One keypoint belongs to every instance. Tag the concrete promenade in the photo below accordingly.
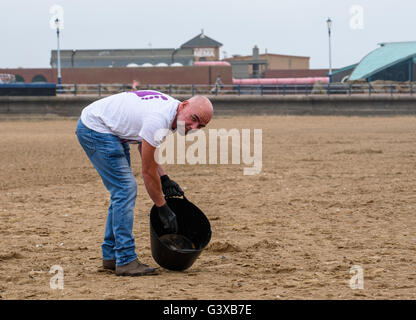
(363, 105)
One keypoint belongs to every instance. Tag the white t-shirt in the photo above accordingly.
(135, 115)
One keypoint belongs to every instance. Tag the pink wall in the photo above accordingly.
(271, 81)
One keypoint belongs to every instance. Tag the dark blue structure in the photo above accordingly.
(27, 89)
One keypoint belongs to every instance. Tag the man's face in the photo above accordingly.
(192, 119)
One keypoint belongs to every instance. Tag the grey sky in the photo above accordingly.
(296, 27)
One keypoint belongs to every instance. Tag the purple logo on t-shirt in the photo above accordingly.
(147, 95)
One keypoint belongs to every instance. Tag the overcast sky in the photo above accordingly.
(294, 27)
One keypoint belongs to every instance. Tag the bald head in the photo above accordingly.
(195, 113)
(202, 107)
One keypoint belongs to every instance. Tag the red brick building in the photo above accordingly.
(143, 75)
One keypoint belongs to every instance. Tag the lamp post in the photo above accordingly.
(173, 54)
(329, 23)
(57, 24)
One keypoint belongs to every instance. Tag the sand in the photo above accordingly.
(333, 193)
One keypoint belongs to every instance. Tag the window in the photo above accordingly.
(39, 78)
(19, 78)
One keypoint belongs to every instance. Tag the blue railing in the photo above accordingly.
(346, 89)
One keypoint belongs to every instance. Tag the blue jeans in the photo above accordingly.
(111, 158)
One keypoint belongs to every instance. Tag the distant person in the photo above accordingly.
(135, 85)
(218, 85)
(104, 130)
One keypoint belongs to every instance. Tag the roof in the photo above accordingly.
(201, 41)
(351, 66)
(385, 56)
(121, 52)
(264, 55)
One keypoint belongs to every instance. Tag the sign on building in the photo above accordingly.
(7, 78)
(204, 52)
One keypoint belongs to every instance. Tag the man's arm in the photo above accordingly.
(169, 187)
(160, 170)
(154, 189)
(150, 173)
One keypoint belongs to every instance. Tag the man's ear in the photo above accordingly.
(185, 104)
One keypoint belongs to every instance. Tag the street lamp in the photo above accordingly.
(173, 54)
(329, 23)
(57, 24)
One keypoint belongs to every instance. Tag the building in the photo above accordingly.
(199, 48)
(204, 48)
(255, 66)
(343, 74)
(393, 61)
(187, 75)
(119, 58)
(296, 73)
(248, 66)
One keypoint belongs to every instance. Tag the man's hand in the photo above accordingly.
(170, 188)
(168, 218)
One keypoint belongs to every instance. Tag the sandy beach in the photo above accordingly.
(333, 193)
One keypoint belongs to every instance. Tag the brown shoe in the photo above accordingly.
(109, 264)
(135, 269)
